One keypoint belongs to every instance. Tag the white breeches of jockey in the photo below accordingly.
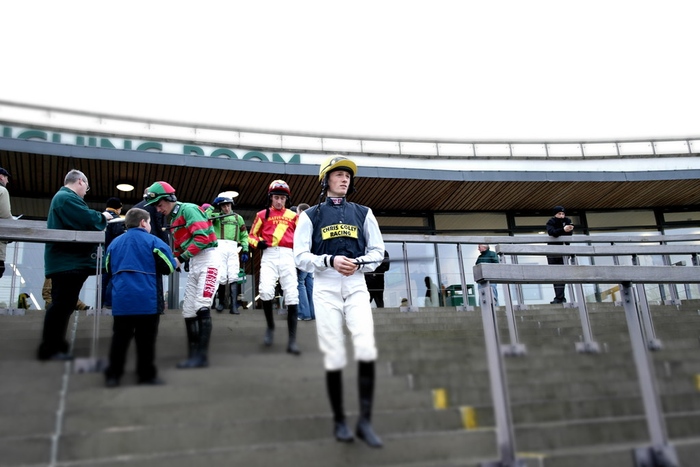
(277, 263)
(339, 299)
(202, 281)
(230, 262)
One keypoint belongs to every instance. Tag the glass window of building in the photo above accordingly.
(480, 221)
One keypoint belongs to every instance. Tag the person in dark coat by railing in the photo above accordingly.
(157, 228)
(113, 230)
(375, 281)
(557, 226)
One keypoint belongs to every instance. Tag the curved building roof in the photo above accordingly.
(39, 145)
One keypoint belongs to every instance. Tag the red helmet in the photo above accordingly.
(279, 187)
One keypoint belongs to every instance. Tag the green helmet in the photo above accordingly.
(158, 191)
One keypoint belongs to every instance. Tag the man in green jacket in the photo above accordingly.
(68, 265)
(486, 255)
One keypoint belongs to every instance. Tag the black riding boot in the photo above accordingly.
(292, 314)
(205, 327)
(334, 386)
(234, 299)
(221, 293)
(199, 358)
(270, 331)
(365, 380)
(192, 327)
(559, 291)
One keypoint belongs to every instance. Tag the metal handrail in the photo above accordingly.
(661, 451)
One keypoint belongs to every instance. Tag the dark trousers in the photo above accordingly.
(65, 291)
(378, 296)
(161, 295)
(144, 330)
(106, 290)
(558, 288)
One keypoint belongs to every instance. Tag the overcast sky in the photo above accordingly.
(482, 70)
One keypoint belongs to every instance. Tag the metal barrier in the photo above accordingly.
(37, 232)
(517, 301)
(660, 452)
(588, 344)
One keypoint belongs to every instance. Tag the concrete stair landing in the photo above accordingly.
(261, 406)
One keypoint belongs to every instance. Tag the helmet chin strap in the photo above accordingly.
(324, 189)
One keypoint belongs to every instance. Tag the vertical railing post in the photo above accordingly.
(409, 293)
(588, 345)
(661, 452)
(518, 290)
(672, 288)
(505, 436)
(94, 363)
(649, 332)
(12, 306)
(463, 281)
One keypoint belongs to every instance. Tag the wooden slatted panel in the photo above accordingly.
(37, 176)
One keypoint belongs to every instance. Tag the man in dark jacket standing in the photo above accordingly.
(158, 229)
(158, 221)
(375, 281)
(114, 208)
(68, 265)
(557, 226)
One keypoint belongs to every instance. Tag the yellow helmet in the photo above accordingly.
(334, 163)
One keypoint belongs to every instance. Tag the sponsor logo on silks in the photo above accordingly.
(339, 230)
(210, 282)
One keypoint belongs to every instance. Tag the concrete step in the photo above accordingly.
(611, 455)
(539, 366)
(614, 455)
(573, 433)
(478, 393)
(400, 448)
(548, 410)
(261, 406)
(229, 431)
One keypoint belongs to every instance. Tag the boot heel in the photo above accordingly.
(342, 433)
(365, 432)
(269, 336)
(293, 349)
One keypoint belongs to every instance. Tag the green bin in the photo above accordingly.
(455, 297)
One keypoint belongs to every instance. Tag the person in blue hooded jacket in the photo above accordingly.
(136, 260)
